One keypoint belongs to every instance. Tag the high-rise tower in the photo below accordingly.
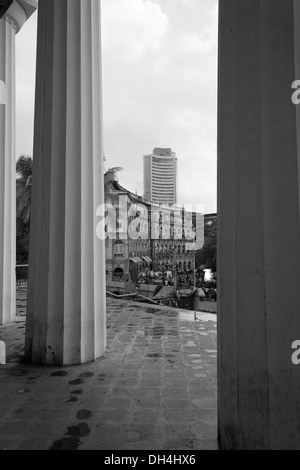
(160, 176)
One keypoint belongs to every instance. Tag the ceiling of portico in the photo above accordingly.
(29, 6)
(4, 5)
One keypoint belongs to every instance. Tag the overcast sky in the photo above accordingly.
(160, 89)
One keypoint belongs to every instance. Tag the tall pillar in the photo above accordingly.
(259, 220)
(66, 313)
(10, 24)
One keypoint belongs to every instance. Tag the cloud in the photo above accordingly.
(132, 27)
(159, 89)
(198, 43)
(168, 95)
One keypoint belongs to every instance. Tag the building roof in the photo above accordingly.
(141, 200)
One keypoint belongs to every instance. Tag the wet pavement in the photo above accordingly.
(155, 389)
(208, 306)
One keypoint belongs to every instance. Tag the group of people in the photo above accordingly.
(207, 293)
(209, 289)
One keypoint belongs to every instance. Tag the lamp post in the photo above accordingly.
(174, 268)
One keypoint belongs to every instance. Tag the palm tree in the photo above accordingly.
(24, 169)
(23, 206)
(24, 184)
(110, 176)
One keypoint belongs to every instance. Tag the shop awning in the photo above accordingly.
(136, 260)
(146, 258)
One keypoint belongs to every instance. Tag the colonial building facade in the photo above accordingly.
(142, 237)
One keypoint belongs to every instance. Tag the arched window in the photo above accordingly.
(188, 234)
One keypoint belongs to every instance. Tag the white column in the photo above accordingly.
(259, 219)
(10, 24)
(66, 313)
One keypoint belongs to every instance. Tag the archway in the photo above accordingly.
(118, 274)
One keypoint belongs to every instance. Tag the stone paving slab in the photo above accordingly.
(155, 389)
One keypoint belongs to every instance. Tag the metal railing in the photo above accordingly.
(135, 297)
(121, 296)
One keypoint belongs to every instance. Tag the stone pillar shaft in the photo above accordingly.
(258, 210)
(10, 24)
(66, 292)
(7, 174)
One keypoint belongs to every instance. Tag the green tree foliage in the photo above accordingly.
(110, 176)
(23, 205)
(207, 256)
(24, 170)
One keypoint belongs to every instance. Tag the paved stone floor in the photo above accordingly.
(155, 389)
